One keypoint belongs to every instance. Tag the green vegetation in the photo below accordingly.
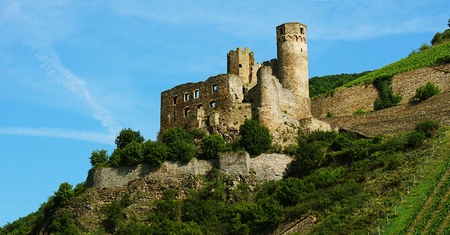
(387, 98)
(255, 138)
(422, 59)
(425, 92)
(441, 37)
(327, 84)
(352, 185)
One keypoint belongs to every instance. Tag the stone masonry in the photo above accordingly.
(274, 93)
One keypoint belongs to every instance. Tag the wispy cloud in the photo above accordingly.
(52, 65)
(103, 138)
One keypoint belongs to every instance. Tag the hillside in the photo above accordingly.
(386, 172)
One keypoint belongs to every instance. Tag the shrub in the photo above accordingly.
(180, 144)
(415, 140)
(132, 154)
(425, 92)
(64, 194)
(211, 146)
(127, 136)
(255, 138)
(98, 158)
(155, 152)
(387, 98)
(429, 128)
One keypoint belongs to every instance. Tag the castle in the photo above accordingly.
(274, 93)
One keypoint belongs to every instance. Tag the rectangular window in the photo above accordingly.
(212, 104)
(186, 112)
(196, 94)
(186, 96)
(214, 88)
(175, 100)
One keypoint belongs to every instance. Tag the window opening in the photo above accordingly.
(186, 96)
(186, 112)
(301, 30)
(212, 104)
(196, 94)
(214, 88)
(240, 65)
(175, 100)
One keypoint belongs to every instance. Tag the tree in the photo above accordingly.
(212, 145)
(255, 138)
(127, 136)
(180, 144)
(98, 157)
(155, 152)
(64, 194)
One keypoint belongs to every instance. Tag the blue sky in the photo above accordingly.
(74, 73)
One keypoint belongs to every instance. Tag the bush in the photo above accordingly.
(127, 136)
(211, 146)
(425, 92)
(387, 98)
(64, 194)
(180, 144)
(98, 158)
(255, 138)
(415, 140)
(429, 128)
(155, 152)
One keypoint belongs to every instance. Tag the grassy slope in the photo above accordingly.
(421, 209)
(414, 61)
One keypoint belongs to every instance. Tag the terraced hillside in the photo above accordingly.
(425, 209)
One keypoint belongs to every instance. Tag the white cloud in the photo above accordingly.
(52, 65)
(60, 133)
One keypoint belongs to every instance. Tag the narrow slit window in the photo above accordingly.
(301, 30)
(196, 94)
(175, 100)
(186, 96)
(214, 88)
(212, 104)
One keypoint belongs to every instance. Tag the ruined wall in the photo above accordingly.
(241, 63)
(194, 105)
(346, 101)
(264, 168)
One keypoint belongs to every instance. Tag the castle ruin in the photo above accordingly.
(274, 93)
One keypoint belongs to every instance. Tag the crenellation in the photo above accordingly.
(275, 92)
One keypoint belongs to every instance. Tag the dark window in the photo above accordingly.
(240, 65)
(214, 88)
(186, 112)
(196, 94)
(175, 100)
(212, 104)
(301, 30)
(186, 96)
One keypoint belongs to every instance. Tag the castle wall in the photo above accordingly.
(194, 105)
(264, 168)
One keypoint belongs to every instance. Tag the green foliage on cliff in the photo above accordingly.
(320, 85)
(387, 98)
(254, 138)
(418, 60)
(425, 92)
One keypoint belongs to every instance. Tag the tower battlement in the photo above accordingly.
(274, 93)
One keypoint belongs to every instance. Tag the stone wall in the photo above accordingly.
(264, 168)
(345, 101)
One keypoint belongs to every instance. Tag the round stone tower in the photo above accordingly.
(292, 53)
